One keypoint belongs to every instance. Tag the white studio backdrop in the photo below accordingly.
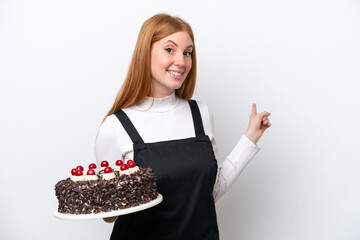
(62, 63)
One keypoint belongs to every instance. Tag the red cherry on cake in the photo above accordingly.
(119, 163)
(73, 171)
(80, 168)
(131, 163)
(123, 167)
(92, 166)
(104, 164)
(79, 173)
(108, 170)
(90, 172)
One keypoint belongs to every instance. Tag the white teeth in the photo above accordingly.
(175, 73)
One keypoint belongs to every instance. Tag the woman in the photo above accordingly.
(154, 122)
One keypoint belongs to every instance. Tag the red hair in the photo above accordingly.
(137, 84)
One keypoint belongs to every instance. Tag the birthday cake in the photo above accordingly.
(106, 189)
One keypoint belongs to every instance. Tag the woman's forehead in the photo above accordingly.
(182, 39)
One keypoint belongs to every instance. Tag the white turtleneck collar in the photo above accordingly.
(164, 104)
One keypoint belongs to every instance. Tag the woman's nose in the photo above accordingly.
(180, 59)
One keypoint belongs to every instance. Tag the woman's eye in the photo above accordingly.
(169, 50)
(188, 54)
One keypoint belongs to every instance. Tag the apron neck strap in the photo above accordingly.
(135, 136)
(129, 127)
(198, 125)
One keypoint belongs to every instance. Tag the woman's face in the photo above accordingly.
(170, 63)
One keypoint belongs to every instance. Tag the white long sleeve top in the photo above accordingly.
(169, 118)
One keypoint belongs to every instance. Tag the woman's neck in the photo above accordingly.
(158, 104)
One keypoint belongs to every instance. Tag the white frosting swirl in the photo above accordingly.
(125, 172)
(91, 177)
(108, 176)
(129, 171)
(134, 169)
(77, 178)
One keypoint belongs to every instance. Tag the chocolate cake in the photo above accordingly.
(119, 190)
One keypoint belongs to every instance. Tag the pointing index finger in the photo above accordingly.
(253, 111)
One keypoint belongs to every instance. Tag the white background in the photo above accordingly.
(62, 63)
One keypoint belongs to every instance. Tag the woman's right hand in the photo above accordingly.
(110, 219)
(257, 125)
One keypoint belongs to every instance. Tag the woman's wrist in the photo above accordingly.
(252, 137)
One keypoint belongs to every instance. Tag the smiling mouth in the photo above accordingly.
(175, 74)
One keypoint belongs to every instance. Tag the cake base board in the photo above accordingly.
(141, 207)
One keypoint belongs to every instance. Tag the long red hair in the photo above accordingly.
(137, 84)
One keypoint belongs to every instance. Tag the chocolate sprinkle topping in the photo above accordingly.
(94, 196)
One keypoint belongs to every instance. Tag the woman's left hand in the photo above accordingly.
(257, 125)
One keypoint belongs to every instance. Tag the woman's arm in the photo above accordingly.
(107, 147)
(241, 155)
(107, 143)
(233, 165)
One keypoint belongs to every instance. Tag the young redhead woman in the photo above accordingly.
(154, 122)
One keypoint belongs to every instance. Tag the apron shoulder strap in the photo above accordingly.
(198, 125)
(129, 127)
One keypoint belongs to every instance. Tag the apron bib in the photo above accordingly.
(186, 171)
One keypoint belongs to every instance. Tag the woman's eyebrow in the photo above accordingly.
(190, 46)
